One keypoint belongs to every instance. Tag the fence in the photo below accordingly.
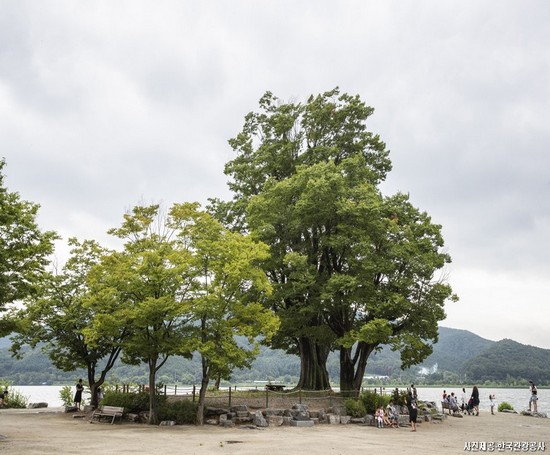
(268, 396)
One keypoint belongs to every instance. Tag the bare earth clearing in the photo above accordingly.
(49, 431)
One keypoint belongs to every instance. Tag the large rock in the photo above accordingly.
(275, 420)
(259, 419)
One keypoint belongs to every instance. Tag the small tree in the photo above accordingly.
(227, 302)
(151, 281)
(60, 314)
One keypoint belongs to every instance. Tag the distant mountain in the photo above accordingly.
(454, 348)
(457, 355)
(510, 359)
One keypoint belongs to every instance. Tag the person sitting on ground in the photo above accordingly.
(392, 415)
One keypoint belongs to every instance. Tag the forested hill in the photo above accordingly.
(458, 356)
(455, 347)
(508, 358)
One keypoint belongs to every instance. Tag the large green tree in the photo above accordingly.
(24, 248)
(351, 269)
(58, 317)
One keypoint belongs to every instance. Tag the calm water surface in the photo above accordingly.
(518, 398)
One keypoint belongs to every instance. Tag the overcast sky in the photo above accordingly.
(104, 105)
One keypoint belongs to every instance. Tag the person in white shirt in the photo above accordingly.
(534, 397)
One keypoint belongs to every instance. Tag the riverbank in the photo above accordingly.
(43, 431)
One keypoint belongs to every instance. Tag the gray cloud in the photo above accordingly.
(105, 105)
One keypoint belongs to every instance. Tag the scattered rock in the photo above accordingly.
(167, 423)
(41, 405)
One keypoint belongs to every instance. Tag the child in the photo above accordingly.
(380, 418)
(492, 399)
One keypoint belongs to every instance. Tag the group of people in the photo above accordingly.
(471, 405)
(467, 405)
(387, 417)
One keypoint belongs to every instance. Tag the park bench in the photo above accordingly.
(107, 411)
(445, 405)
(275, 387)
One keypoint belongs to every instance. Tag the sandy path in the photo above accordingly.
(31, 432)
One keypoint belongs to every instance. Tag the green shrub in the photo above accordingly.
(14, 399)
(355, 408)
(66, 395)
(131, 402)
(372, 401)
(181, 411)
(505, 406)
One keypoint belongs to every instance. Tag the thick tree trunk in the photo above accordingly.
(313, 362)
(352, 368)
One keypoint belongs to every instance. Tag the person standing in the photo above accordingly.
(492, 400)
(475, 400)
(413, 411)
(464, 404)
(78, 394)
(534, 397)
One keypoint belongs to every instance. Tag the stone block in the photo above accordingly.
(301, 423)
(227, 424)
(344, 420)
(239, 408)
(333, 419)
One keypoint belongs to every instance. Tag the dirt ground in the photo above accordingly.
(49, 431)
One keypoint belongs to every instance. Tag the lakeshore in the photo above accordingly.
(50, 430)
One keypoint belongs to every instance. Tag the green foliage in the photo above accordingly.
(131, 402)
(183, 412)
(355, 408)
(505, 406)
(66, 395)
(15, 399)
(24, 249)
(351, 269)
(372, 401)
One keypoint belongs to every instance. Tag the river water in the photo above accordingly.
(518, 398)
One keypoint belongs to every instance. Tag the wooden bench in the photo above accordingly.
(107, 411)
(275, 387)
(445, 405)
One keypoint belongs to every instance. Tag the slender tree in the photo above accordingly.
(152, 281)
(59, 315)
(227, 301)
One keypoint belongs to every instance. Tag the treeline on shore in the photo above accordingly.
(459, 357)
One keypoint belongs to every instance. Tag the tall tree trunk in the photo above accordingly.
(202, 396)
(202, 393)
(153, 414)
(313, 362)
